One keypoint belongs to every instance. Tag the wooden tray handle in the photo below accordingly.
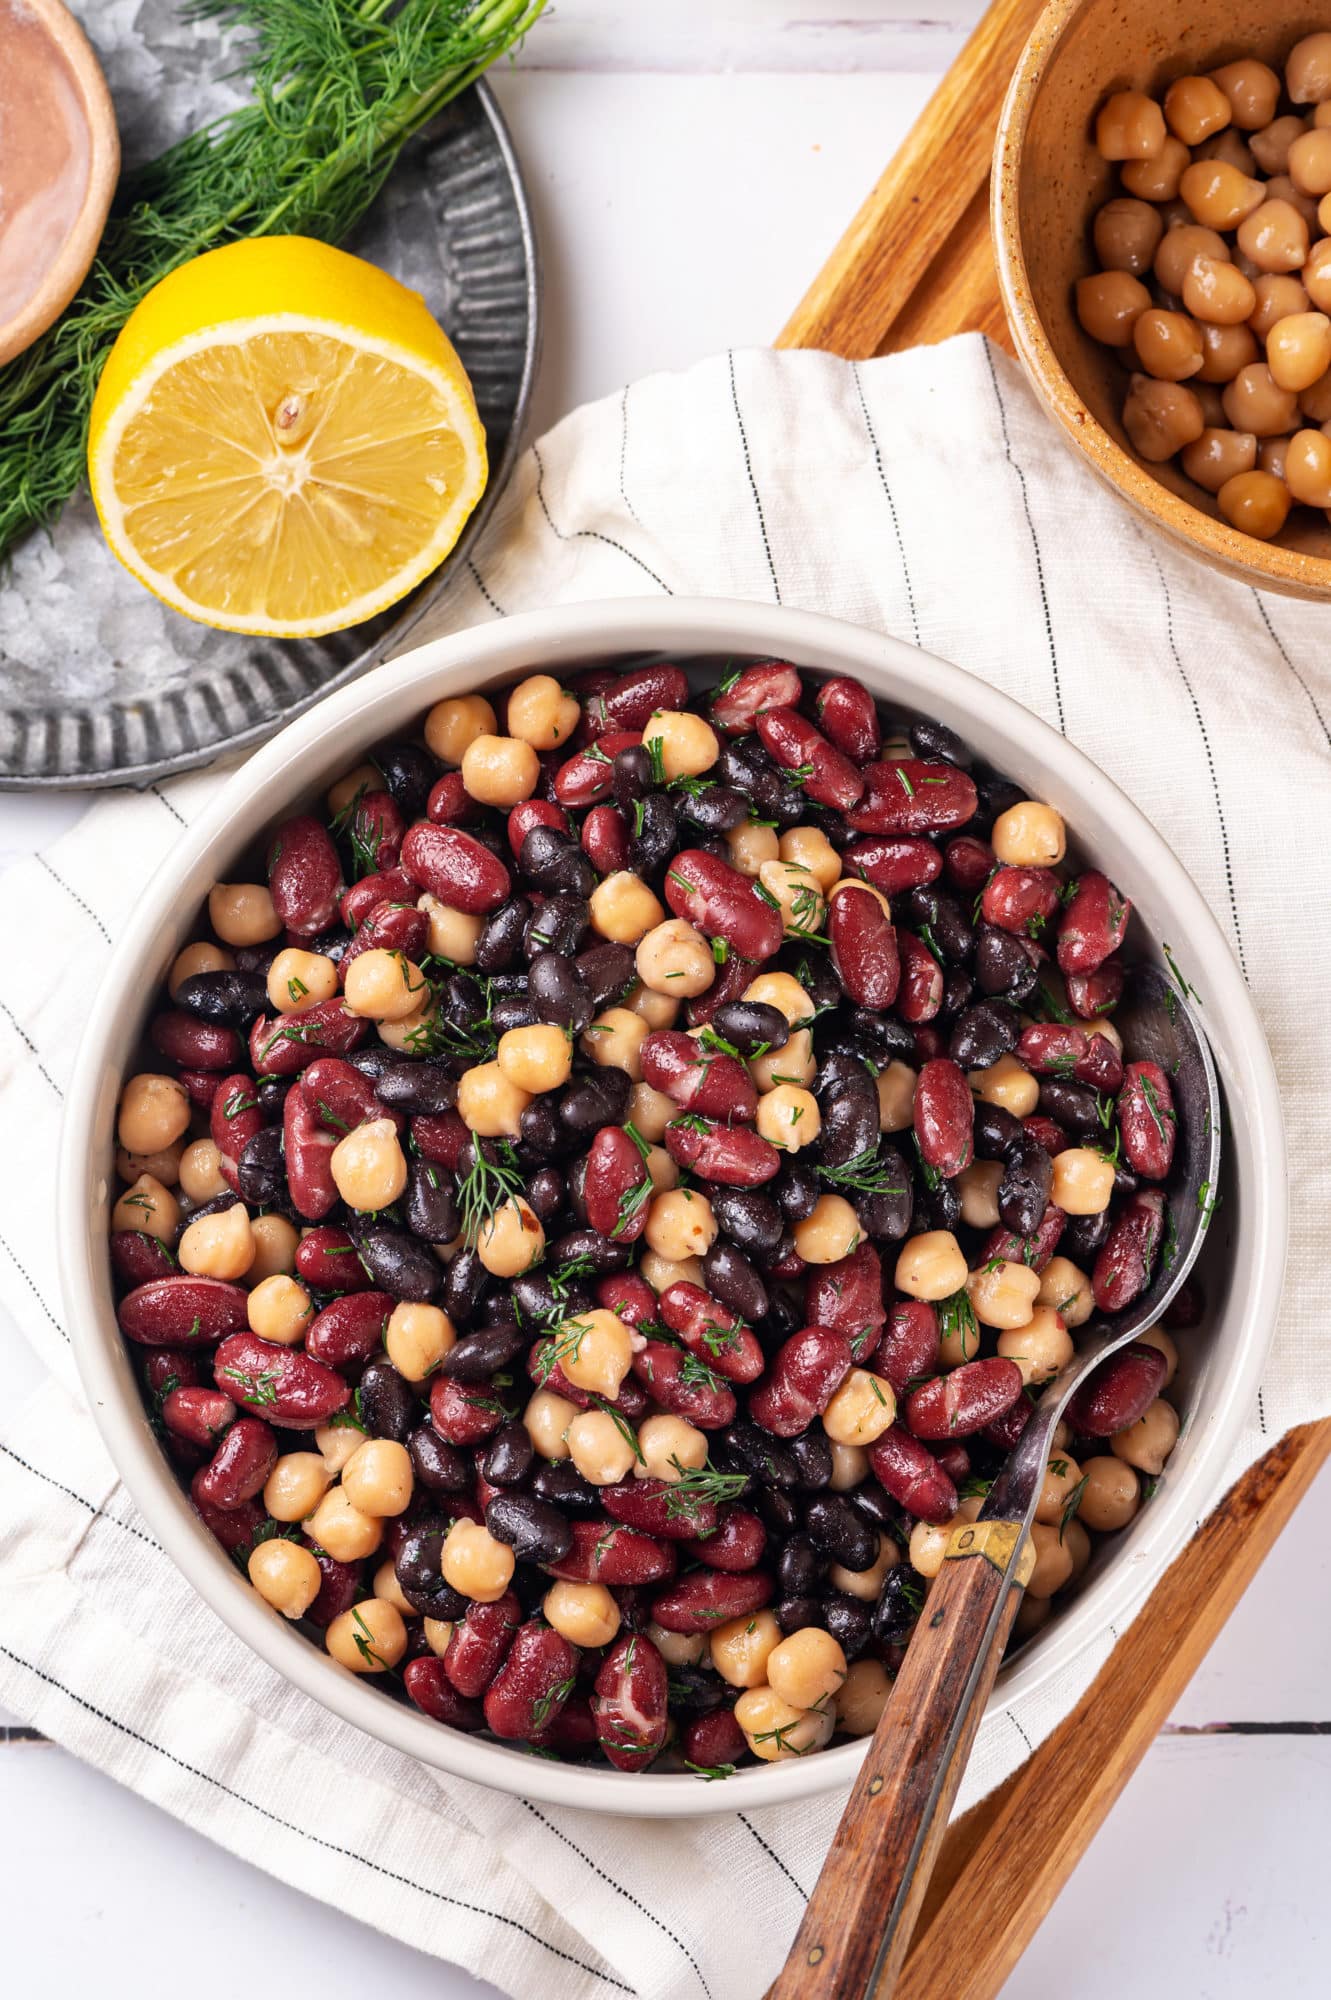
(858, 1925)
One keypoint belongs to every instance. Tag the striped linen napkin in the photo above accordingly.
(926, 496)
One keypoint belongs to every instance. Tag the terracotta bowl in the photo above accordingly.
(1048, 180)
(70, 156)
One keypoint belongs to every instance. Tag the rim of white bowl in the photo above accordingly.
(389, 698)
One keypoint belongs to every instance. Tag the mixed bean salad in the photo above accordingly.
(606, 1191)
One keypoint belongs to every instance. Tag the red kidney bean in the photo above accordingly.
(944, 1117)
(1123, 1267)
(201, 1086)
(969, 863)
(440, 1136)
(716, 1336)
(964, 1400)
(350, 1329)
(533, 1684)
(137, 1257)
(1093, 925)
(802, 1377)
(684, 1386)
(739, 1542)
(326, 1258)
(455, 868)
(715, 1086)
(480, 1644)
(388, 927)
(572, 1731)
(1046, 1133)
(736, 708)
(865, 951)
(909, 795)
(450, 803)
(1119, 1391)
(234, 1527)
(198, 1414)
(339, 1590)
(1101, 1066)
(908, 1470)
(428, 1685)
(546, 1373)
(716, 899)
(234, 1118)
(1146, 1119)
(304, 875)
(617, 1187)
(1020, 900)
(704, 1599)
(909, 1347)
(290, 1389)
(728, 985)
(629, 1703)
(605, 839)
(165, 1369)
(1004, 1431)
(659, 1507)
(1091, 994)
(291, 1043)
(239, 1467)
(792, 742)
(734, 1155)
(894, 865)
(394, 886)
(182, 1311)
(341, 1096)
(628, 1295)
(847, 1297)
(1185, 1308)
(713, 1742)
(465, 1412)
(532, 813)
(955, 1461)
(929, 1043)
(376, 828)
(920, 994)
(308, 1149)
(1054, 1049)
(629, 701)
(847, 714)
(1032, 1250)
(588, 776)
(610, 1553)
(194, 1044)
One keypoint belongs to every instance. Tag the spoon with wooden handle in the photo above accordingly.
(858, 1925)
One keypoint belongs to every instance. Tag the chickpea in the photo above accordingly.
(662, 1171)
(1040, 1348)
(799, 895)
(928, 1546)
(741, 1647)
(677, 1649)
(1164, 1343)
(670, 1447)
(672, 957)
(1078, 1544)
(598, 1355)
(1030, 835)
(863, 1697)
(784, 992)
(583, 1613)
(299, 980)
(386, 1586)
(417, 1338)
(200, 1171)
(340, 1529)
(1061, 1479)
(452, 725)
(149, 1208)
(368, 1166)
(850, 1467)
(978, 1186)
(511, 1240)
(861, 1410)
(242, 913)
(1270, 146)
(336, 1444)
(546, 1421)
(1308, 70)
(1053, 1561)
(1111, 1496)
(1315, 403)
(896, 1097)
(163, 1166)
(1067, 1290)
(1298, 349)
(1148, 1443)
(1160, 418)
(959, 1341)
(370, 1638)
(1225, 349)
(489, 1104)
(930, 1266)
(1256, 503)
(1279, 296)
(750, 846)
(1253, 92)
(377, 1479)
(1129, 126)
(866, 1584)
(1033, 1614)
(789, 1117)
(624, 909)
(794, 1064)
(1308, 468)
(279, 1309)
(407, 1035)
(808, 848)
(807, 1668)
(1218, 455)
(1126, 234)
(153, 1114)
(285, 1576)
(1005, 1296)
(1178, 251)
(453, 934)
(687, 745)
(658, 1010)
(342, 795)
(296, 1485)
(1009, 1084)
(615, 1039)
(659, 1272)
(1274, 237)
(500, 771)
(1316, 274)
(275, 1242)
(540, 713)
(775, 1731)
(1157, 179)
(536, 1058)
(384, 986)
(1218, 195)
(650, 1111)
(830, 1232)
(197, 958)
(1083, 1181)
(680, 1224)
(1195, 107)
(438, 1635)
(475, 1564)
(1215, 292)
(218, 1246)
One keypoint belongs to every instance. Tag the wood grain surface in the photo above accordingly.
(915, 266)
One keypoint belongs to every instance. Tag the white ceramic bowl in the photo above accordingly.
(1247, 1249)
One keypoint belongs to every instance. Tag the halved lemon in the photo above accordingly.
(283, 439)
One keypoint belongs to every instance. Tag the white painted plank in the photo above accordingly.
(797, 36)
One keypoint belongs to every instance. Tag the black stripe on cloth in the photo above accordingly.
(75, 897)
(316, 1840)
(1279, 646)
(1030, 1747)
(479, 581)
(624, 452)
(1206, 746)
(1035, 540)
(31, 1047)
(1261, 1411)
(891, 503)
(98, 1513)
(33, 1289)
(619, 1889)
(179, 817)
(590, 534)
(753, 484)
(771, 1852)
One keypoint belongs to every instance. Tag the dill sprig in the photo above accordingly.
(865, 1174)
(486, 1186)
(339, 87)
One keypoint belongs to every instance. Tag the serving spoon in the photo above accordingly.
(858, 1924)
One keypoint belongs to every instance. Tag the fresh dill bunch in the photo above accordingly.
(339, 87)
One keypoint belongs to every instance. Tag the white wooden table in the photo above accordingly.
(691, 167)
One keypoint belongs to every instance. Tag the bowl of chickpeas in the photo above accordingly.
(1162, 223)
(581, 1165)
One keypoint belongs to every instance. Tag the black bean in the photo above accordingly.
(819, 982)
(850, 1622)
(937, 1208)
(605, 970)
(388, 1404)
(813, 1455)
(421, 1089)
(216, 1204)
(500, 942)
(984, 1032)
(996, 794)
(535, 1531)
(850, 1125)
(879, 1038)
(555, 862)
(798, 1568)
(477, 1355)
(1023, 1192)
(438, 1465)
(509, 1457)
(562, 1484)
(464, 1283)
(935, 742)
(845, 1069)
(715, 809)
(794, 1613)
(261, 1169)
(777, 1511)
(886, 1214)
(1125, 1181)
(797, 1189)
(511, 1010)
(751, 1026)
(834, 1527)
(958, 992)
(418, 1577)
(545, 1194)
(785, 1314)
(1003, 965)
(556, 994)
(996, 1131)
(463, 1001)
(374, 1060)
(592, 1100)
(602, 1253)
(655, 836)
(947, 923)
(1083, 1235)
(537, 1302)
(398, 1263)
(542, 1135)
(232, 999)
(577, 1190)
(877, 1506)
(257, 957)
(749, 1218)
(900, 1602)
(741, 761)
(271, 1092)
(745, 1448)
(1074, 1106)
(694, 1691)
(409, 774)
(731, 1278)
(501, 1311)
(632, 774)
(430, 1203)
(557, 924)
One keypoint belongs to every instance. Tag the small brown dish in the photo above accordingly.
(1048, 179)
(59, 158)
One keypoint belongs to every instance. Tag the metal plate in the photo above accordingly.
(102, 685)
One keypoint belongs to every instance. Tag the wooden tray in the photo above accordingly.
(916, 265)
